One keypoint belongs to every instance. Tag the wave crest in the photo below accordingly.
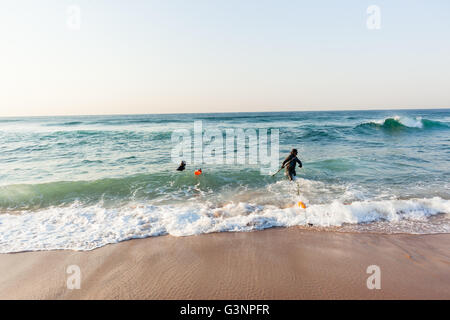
(403, 123)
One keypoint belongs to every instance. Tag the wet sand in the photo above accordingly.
(284, 263)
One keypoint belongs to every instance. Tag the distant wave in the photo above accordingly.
(9, 120)
(433, 124)
(402, 123)
(79, 133)
(124, 122)
(111, 134)
(319, 134)
(111, 122)
(65, 124)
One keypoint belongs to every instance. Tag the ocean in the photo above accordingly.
(82, 182)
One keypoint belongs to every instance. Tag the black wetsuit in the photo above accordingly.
(290, 165)
(182, 166)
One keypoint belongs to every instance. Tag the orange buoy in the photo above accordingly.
(301, 204)
(198, 172)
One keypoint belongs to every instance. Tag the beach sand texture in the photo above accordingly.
(273, 264)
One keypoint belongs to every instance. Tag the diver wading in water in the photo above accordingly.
(182, 166)
(289, 164)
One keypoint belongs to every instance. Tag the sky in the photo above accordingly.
(176, 56)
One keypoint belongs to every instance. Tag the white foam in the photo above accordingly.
(411, 122)
(86, 228)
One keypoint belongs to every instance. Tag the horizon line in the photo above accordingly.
(224, 112)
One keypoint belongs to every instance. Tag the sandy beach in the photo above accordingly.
(272, 264)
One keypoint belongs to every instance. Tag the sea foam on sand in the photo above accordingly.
(85, 228)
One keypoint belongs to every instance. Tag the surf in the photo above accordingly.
(398, 123)
(82, 182)
(85, 228)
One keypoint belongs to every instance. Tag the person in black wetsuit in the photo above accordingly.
(182, 166)
(289, 164)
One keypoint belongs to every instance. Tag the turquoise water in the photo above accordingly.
(81, 182)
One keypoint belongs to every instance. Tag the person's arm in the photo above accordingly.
(299, 162)
(288, 158)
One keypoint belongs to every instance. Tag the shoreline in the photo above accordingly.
(300, 228)
(276, 263)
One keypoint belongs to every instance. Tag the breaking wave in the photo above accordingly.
(85, 228)
(402, 123)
